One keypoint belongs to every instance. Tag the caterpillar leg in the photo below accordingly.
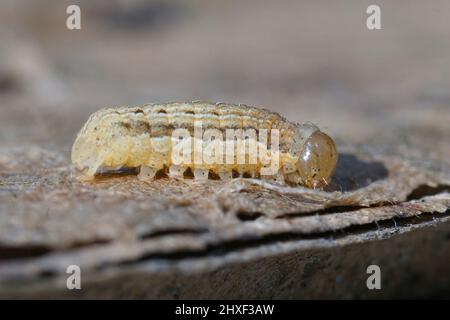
(89, 174)
(146, 173)
(176, 171)
(85, 177)
(279, 177)
(226, 175)
(201, 174)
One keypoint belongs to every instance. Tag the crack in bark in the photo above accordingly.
(234, 245)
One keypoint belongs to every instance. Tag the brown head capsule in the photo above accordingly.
(147, 138)
(317, 161)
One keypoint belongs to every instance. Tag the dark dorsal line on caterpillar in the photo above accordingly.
(143, 138)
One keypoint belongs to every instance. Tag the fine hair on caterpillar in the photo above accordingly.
(206, 138)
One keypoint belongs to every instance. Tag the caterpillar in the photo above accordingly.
(147, 137)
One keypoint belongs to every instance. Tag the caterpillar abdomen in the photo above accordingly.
(206, 138)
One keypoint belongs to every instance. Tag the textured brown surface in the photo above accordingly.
(382, 95)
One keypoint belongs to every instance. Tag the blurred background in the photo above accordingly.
(308, 60)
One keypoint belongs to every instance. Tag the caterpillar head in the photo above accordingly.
(317, 160)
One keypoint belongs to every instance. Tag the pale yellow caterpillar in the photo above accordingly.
(145, 138)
